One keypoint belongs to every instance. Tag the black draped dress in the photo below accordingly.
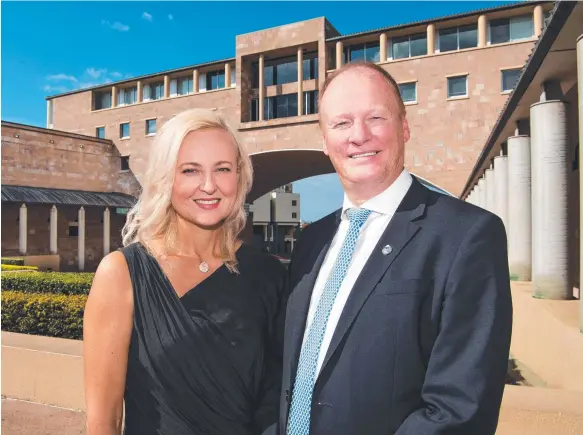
(209, 362)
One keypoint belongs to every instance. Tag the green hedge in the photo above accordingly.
(48, 282)
(13, 261)
(43, 314)
(11, 267)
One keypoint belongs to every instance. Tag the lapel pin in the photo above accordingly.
(387, 250)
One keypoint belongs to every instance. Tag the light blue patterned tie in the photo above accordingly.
(301, 404)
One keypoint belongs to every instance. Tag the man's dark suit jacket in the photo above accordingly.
(422, 345)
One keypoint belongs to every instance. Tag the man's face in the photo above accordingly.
(364, 133)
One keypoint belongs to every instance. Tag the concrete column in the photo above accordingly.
(519, 208)
(140, 92)
(383, 47)
(22, 229)
(53, 230)
(339, 54)
(580, 86)
(482, 31)
(490, 190)
(300, 82)
(537, 19)
(549, 160)
(50, 120)
(106, 231)
(227, 75)
(114, 96)
(482, 193)
(261, 85)
(501, 188)
(81, 240)
(166, 86)
(431, 39)
(195, 81)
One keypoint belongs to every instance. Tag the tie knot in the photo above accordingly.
(358, 215)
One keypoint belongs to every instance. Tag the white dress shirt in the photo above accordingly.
(383, 207)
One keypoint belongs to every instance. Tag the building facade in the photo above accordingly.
(454, 73)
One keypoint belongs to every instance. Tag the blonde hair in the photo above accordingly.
(153, 217)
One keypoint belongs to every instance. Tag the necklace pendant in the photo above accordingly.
(203, 267)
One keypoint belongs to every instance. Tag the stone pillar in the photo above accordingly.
(339, 54)
(106, 231)
(501, 188)
(490, 190)
(114, 96)
(482, 193)
(53, 230)
(166, 86)
(140, 92)
(81, 240)
(261, 85)
(580, 86)
(537, 19)
(482, 31)
(549, 159)
(383, 50)
(195, 81)
(22, 229)
(300, 81)
(227, 75)
(519, 208)
(431, 39)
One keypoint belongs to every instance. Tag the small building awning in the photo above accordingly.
(41, 195)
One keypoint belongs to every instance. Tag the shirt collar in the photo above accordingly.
(387, 201)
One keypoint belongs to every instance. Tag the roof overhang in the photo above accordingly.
(553, 59)
(42, 195)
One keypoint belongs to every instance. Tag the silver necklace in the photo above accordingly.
(203, 266)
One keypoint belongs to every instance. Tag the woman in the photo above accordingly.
(182, 323)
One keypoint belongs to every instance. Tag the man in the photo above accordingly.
(400, 315)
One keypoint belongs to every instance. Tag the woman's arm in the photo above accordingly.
(107, 327)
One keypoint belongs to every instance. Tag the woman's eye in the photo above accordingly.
(188, 171)
(224, 169)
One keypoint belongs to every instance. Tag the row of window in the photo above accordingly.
(285, 70)
(451, 39)
(458, 86)
(155, 90)
(124, 129)
(284, 106)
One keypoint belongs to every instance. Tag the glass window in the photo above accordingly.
(281, 106)
(448, 39)
(254, 109)
(153, 91)
(408, 92)
(369, 52)
(150, 126)
(215, 80)
(286, 72)
(499, 31)
(268, 76)
(184, 85)
(509, 79)
(102, 100)
(511, 29)
(468, 36)
(418, 45)
(310, 67)
(173, 87)
(457, 86)
(310, 102)
(233, 77)
(127, 96)
(100, 132)
(294, 215)
(125, 163)
(124, 130)
(457, 38)
(294, 202)
(409, 46)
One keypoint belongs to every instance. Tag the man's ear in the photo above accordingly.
(324, 147)
(406, 131)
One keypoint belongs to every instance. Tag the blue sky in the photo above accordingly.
(52, 47)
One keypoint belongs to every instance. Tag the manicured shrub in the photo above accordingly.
(43, 314)
(13, 261)
(48, 282)
(11, 267)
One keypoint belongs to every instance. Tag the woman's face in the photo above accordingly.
(206, 179)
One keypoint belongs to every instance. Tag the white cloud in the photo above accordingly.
(62, 77)
(116, 75)
(58, 89)
(116, 26)
(170, 17)
(96, 73)
(146, 16)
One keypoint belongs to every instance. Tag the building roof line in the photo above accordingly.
(56, 132)
(559, 16)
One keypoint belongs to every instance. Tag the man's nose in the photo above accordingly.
(360, 133)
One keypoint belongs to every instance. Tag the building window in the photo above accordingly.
(457, 38)
(310, 102)
(294, 202)
(184, 85)
(457, 86)
(294, 215)
(102, 100)
(280, 71)
(100, 132)
(233, 77)
(369, 52)
(127, 96)
(125, 163)
(511, 29)
(509, 79)
(215, 80)
(150, 126)
(409, 46)
(124, 130)
(73, 229)
(408, 92)
(153, 91)
(254, 110)
(331, 57)
(310, 66)
(281, 106)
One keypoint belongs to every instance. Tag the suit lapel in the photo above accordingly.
(398, 233)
